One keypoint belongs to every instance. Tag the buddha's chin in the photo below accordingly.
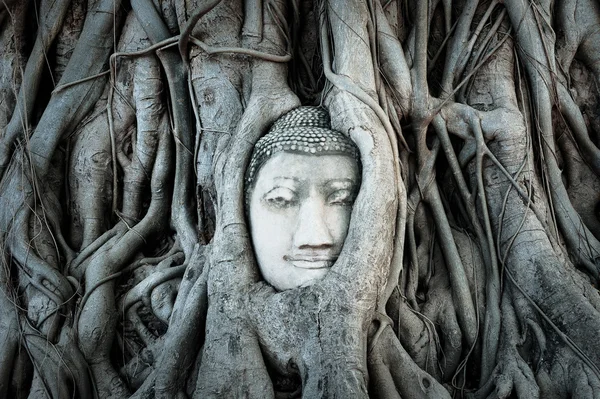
(297, 277)
(315, 276)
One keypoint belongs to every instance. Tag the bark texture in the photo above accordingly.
(472, 260)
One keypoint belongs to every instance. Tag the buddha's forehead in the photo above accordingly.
(309, 168)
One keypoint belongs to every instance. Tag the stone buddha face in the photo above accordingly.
(299, 215)
(299, 203)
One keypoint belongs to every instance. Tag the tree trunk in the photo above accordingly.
(470, 267)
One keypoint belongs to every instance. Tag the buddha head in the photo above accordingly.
(301, 185)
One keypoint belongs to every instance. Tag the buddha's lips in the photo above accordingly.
(311, 262)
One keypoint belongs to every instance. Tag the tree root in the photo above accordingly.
(98, 315)
(152, 123)
(392, 62)
(535, 46)
(90, 173)
(245, 373)
(181, 341)
(148, 285)
(512, 373)
(231, 254)
(66, 365)
(182, 217)
(334, 337)
(394, 373)
(37, 271)
(9, 325)
(52, 16)
(66, 109)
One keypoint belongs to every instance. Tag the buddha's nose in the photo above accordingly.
(312, 230)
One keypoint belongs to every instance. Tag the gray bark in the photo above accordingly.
(470, 267)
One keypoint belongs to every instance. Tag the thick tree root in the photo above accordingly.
(147, 287)
(395, 375)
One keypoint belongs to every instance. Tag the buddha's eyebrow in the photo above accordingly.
(344, 181)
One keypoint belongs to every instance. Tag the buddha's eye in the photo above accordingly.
(281, 197)
(341, 197)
